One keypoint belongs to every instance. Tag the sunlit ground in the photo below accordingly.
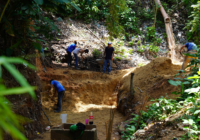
(82, 107)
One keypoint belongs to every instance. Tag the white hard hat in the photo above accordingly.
(109, 43)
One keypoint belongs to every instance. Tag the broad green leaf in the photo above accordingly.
(17, 75)
(39, 2)
(15, 60)
(186, 82)
(196, 112)
(76, 7)
(19, 90)
(198, 120)
(12, 130)
(174, 83)
(0, 71)
(194, 77)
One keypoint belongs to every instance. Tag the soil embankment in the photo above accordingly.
(152, 80)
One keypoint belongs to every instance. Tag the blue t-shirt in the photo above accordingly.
(71, 47)
(190, 46)
(109, 53)
(57, 85)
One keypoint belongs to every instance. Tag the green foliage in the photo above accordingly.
(157, 41)
(9, 121)
(193, 25)
(142, 48)
(132, 42)
(118, 58)
(130, 21)
(141, 64)
(96, 53)
(130, 51)
(116, 7)
(189, 89)
(139, 42)
(153, 48)
(151, 33)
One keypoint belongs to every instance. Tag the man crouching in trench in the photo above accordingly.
(60, 90)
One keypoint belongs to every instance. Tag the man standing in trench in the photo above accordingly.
(109, 55)
(191, 49)
(60, 90)
(69, 51)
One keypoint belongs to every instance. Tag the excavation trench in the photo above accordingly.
(94, 91)
(85, 91)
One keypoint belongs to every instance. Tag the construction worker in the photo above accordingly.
(69, 51)
(191, 49)
(108, 57)
(76, 52)
(60, 90)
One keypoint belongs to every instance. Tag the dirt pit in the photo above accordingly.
(93, 91)
(85, 91)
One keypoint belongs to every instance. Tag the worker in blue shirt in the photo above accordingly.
(69, 51)
(60, 90)
(191, 49)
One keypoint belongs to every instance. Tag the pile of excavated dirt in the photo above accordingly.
(152, 79)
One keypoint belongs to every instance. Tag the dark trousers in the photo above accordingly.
(76, 59)
(69, 58)
(60, 96)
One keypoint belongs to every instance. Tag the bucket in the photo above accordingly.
(63, 118)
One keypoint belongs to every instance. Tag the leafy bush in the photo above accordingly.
(157, 41)
(153, 48)
(130, 51)
(141, 48)
(151, 33)
(123, 50)
(130, 21)
(96, 53)
(139, 42)
(188, 104)
(132, 42)
(193, 25)
(118, 58)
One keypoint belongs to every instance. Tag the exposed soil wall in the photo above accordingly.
(152, 79)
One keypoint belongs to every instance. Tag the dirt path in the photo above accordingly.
(85, 91)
